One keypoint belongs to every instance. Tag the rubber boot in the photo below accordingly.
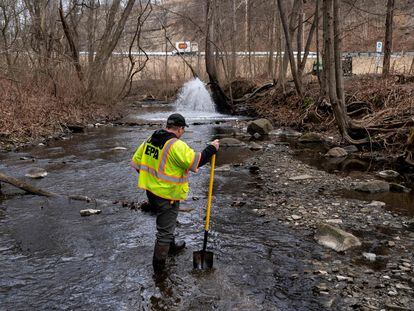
(176, 247)
(160, 256)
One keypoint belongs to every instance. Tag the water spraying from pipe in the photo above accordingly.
(194, 96)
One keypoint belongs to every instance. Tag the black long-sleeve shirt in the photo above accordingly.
(160, 137)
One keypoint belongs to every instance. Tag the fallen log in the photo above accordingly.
(25, 186)
(37, 191)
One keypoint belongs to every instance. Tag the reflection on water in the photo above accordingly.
(361, 168)
(51, 258)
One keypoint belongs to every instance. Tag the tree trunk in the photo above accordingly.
(308, 43)
(338, 55)
(318, 60)
(411, 67)
(299, 37)
(388, 38)
(279, 63)
(270, 64)
(292, 26)
(109, 40)
(72, 45)
(91, 30)
(233, 67)
(248, 38)
(296, 80)
(325, 56)
(330, 68)
(218, 95)
(333, 70)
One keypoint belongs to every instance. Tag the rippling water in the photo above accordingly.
(51, 258)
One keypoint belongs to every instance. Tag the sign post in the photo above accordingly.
(378, 55)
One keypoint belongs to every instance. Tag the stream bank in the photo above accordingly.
(300, 197)
(263, 227)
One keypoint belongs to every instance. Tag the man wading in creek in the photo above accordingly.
(163, 162)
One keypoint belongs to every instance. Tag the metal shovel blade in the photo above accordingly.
(203, 260)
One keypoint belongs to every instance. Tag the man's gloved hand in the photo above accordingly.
(216, 143)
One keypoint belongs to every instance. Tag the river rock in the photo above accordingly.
(398, 188)
(335, 221)
(260, 126)
(336, 152)
(375, 204)
(231, 142)
(373, 186)
(119, 148)
(223, 168)
(255, 146)
(90, 211)
(301, 177)
(36, 173)
(285, 132)
(335, 238)
(388, 174)
(370, 256)
(344, 278)
(311, 138)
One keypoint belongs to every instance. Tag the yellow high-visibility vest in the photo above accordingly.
(164, 171)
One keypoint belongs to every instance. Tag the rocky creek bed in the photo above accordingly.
(379, 274)
(268, 210)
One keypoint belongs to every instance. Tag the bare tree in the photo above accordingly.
(108, 41)
(144, 13)
(43, 18)
(333, 69)
(299, 37)
(91, 29)
(388, 37)
(296, 80)
(233, 66)
(217, 92)
(292, 27)
(301, 66)
(71, 41)
(271, 49)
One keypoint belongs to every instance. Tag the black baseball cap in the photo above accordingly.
(176, 119)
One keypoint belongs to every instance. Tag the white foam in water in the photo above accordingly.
(194, 102)
(194, 96)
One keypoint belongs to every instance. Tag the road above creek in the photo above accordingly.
(52, 258)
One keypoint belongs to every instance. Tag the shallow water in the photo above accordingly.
(52, 258)
(363, 169)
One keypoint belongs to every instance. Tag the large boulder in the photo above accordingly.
(373, 186)
(260, 126)
(335, 238)
(231, 142)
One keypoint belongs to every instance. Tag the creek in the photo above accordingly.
(52, 258)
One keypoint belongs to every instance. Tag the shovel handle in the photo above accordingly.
(210, 191)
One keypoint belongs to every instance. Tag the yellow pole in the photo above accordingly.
(210, 191)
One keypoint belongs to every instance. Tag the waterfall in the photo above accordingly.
(194, 96)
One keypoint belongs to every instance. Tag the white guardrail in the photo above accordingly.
(254, 54)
